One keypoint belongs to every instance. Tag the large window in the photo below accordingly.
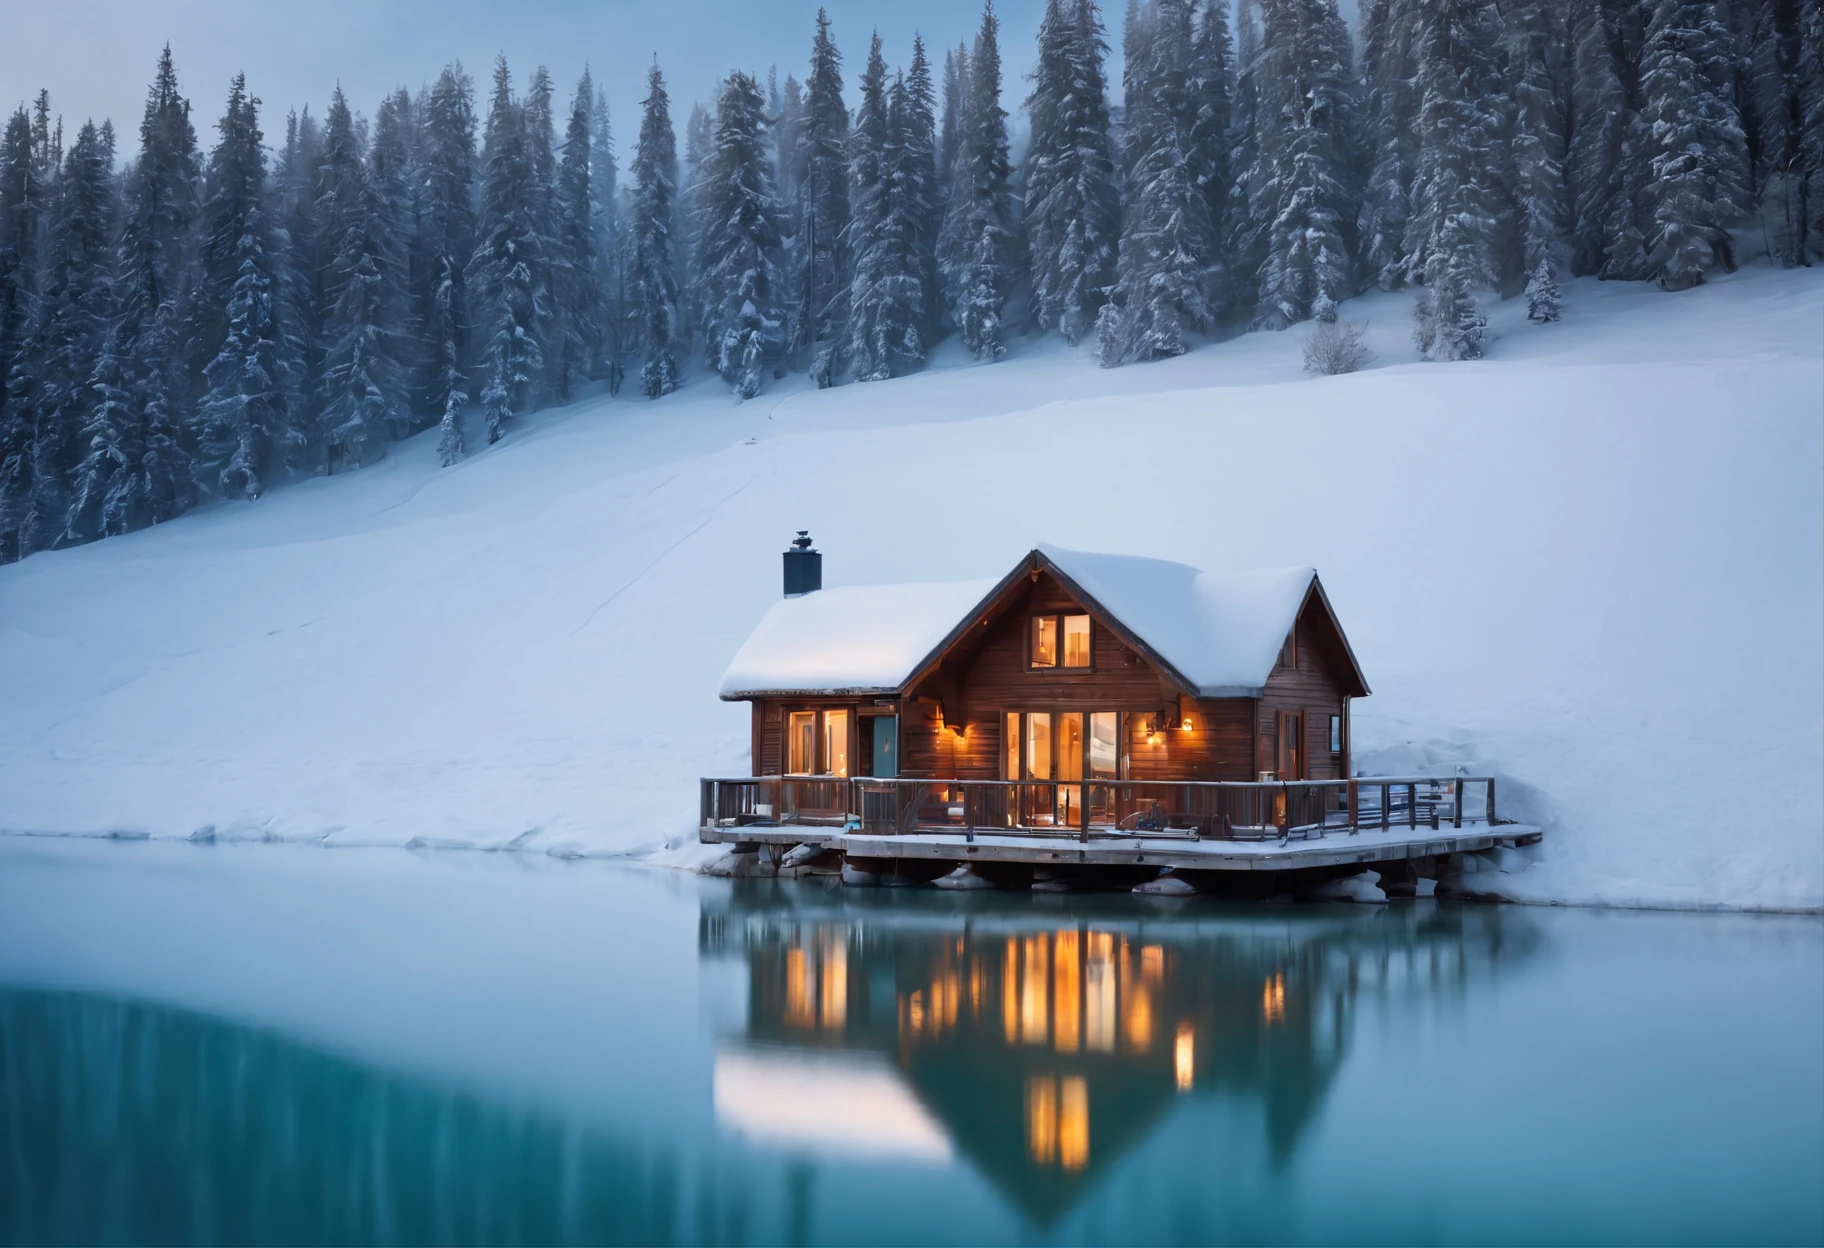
(1051, 745)
(1059, 641)
(817, 743)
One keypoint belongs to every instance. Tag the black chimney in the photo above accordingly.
(803, 567)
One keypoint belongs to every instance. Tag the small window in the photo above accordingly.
(1076, 641)
(1288, 653)
(836, 743)
(1336, 734)
(1044, 641)
(1011, 744)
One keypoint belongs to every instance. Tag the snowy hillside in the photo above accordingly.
(1593, 562)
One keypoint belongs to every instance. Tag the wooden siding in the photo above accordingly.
(1310, 688)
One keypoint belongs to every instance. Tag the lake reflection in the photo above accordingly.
(1044, 1046)
(256, 1044)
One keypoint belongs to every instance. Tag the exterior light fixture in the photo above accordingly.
(1186, 725)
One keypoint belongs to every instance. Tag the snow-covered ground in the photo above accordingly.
(1593, 563)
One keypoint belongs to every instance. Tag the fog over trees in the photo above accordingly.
(208, 309)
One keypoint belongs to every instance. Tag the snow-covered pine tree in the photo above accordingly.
(739, 276)
(953, 174)
(1810, 99)
(610, 281)
(75, 307)
(1212, 135)
(364, 395)
(785, 143)
(1303, 189)
(1461, 184)
(699, 138)
(446, 243)
(393, 182)
(1536, 40)
(822, 264)
(652, 281)
(503, 281)
(1072, 200)
(1389, 124)
(956, 105)
(245, 432)
(1159, 295)
(1768, 32)
(1693, 148)
(1601, 114)
(299, 273)
(575, 293)
(892, 168)
(981, 217)
(21, 210)
(916, 169)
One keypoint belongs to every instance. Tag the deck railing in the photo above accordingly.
(1184, 810)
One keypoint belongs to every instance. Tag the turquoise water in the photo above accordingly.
(275, 1044)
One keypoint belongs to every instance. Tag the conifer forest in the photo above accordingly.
(227, 299)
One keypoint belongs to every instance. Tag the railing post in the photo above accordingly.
(1285, 812)
(1386, 804)
(1491, 801)
(1355, 807)
(1412, 804)
(1083, 812)
(1456, 810)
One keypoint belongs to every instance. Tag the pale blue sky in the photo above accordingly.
(96, 56)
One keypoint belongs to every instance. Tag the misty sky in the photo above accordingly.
(97, 56)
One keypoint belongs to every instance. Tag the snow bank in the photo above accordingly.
(1593, 563)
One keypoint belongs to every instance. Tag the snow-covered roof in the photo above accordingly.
(855, 639)
(1221, 631)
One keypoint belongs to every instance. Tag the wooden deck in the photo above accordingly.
(1191, 825)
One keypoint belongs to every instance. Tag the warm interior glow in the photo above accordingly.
(1073, 1123)
(1057, 1120)
(834, 997)
(1076, 641)
(800, 1010)
(1010, 991)
(1042, 1119)
(1066, 993)
(801, 743)
(1034, 999)
(1044, 641)
(1184, 1057)
(1099, 992)
(836, 743)
(1273, 998)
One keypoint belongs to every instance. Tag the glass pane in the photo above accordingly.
(1103, 746)
(836, 743)
(1336, 732)
(1070, 745)
(1044, 641)
(1011, 741)
(1038, 747)
(801, 743)
(1076, 641)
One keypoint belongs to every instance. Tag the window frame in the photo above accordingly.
(1059, 650)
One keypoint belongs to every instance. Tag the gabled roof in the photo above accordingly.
(1216, 634)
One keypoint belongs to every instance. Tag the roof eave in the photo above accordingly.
(853, 691)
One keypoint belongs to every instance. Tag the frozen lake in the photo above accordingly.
(261, 1043)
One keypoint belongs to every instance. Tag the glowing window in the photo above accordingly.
(836, 743)
(1044, 641)
(1038, 747)
(1076, 641)
(1011, 742)
(1104, 746)
(801, 743)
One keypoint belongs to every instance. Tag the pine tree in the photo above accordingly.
(980, 220)
(1693, 148)
(299, 273)
(952, 173)
(1536, 40)
(1601, 116)
(246, 432)
(822, 257)
(610, 273)
(1390, 126)
(652, 282)
(503, 273)
(887, 301)
(739, 276)
(21, 210)
(1809, 93)
(576, 293)
(393, 182)
(1212, 136)
(1072, 202)
(543, 219)
(786, 129)
(76, 305)
(364, 397)
(921, 185)
(446, 243)
(1461, 184)
(699, 139)
(1302, 189)
(1160, 295)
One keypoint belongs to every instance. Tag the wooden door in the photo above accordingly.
(1292, 750)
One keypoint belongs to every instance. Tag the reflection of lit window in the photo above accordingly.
(1152, 963)
(799, 1010)
(1137, 1018)
(915, 1010)
(1076, 641)
(1099, 993)
(1033, 996)
(1273, 998)
(1010, 991)
(1184, 1057)
(1073, 1123)
(1042, 1118)
(835, 975)
(1066, 991)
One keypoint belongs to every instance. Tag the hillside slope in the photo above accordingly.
(1593, 562)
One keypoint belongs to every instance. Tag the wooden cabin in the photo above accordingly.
(1071, 667)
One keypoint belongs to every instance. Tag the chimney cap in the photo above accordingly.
(803, 540)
